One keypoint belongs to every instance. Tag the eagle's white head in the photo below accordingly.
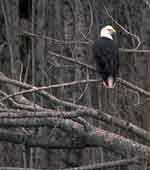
(107, 32)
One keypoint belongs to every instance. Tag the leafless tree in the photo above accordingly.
(54, 111)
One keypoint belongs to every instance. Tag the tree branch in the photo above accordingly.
(87, 111)
(40, 90)
(95, 137)
(72, 60)
(36, 89)
(133, 87)
(50, 38)
(134, 50)
(9, 118)
(37, 141)
(105, 165)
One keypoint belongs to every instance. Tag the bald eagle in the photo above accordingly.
(107, 56)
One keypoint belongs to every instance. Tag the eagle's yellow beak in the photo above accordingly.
(113, 30)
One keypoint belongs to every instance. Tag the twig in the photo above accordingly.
(124, 29)
(27, 67)
(21, 71)
(2, 46)
(82, 94)
(14, 104)
(92, 20)
(85, 35)
(85, 89)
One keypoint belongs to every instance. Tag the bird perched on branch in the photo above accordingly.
(106, 54)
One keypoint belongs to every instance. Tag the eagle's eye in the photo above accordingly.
(109, 29)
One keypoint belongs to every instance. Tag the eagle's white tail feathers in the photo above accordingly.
(110, 83)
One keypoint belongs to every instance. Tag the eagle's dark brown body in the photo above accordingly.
(107, 60)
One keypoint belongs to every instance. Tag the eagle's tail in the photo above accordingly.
(109, 83)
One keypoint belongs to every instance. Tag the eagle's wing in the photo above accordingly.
(107, 57)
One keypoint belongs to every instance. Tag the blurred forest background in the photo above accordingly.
(45, 42)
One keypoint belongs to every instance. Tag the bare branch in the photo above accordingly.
(52, 98)
(123, 82)
(134, 87)
(134, 50)
(17, 105)
(72, 60)
(36, 141)
(52, 39)
(36, 89)
(105, 165)
(95, 137)
(31, 119)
